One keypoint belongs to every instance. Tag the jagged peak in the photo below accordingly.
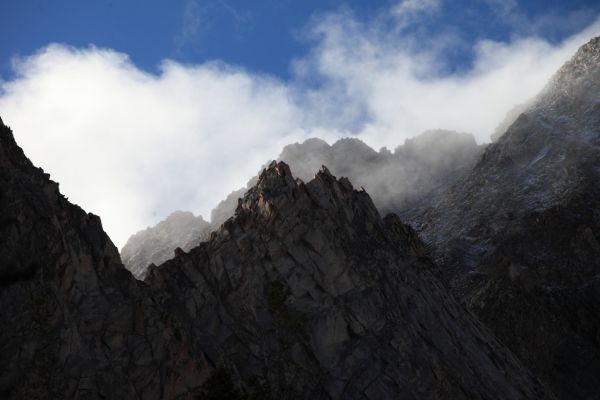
(278, 173)
(588, 53)
(324, 171)
(583, 67)
(277, 192)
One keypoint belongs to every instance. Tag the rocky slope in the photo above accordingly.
(75, 323)
(158, 243)
(519, 236)
(414, 174)
(307, 293)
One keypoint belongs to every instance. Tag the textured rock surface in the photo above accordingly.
(519, 237)
(74, 323)
(414, 174)
(158, 243)
(307, 293)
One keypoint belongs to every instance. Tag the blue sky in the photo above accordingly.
(261, 35)
(140, 108)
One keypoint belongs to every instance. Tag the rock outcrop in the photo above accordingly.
(74, 322)
(307, 293)
(519, 236)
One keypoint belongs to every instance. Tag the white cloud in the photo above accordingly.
(406, 11)
(133, 146)
(191, 24)
(401, 87)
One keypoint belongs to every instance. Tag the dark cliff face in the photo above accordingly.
(75, 323)
(307, 293)
(519, 236)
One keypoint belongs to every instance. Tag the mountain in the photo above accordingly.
(75, 323)
(518, 238)
(397, 181)
(306, 292)
(180, 230)
(157, 244)
(414, 174)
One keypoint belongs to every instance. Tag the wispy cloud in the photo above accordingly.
(549, 24)
(191, 25)
(199, 18)
(407, 12)
(133, 146)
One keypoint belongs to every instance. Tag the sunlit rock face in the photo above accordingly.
(518, 238)
(306, 292)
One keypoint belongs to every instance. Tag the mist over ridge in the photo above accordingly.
(183, 138)
(410, 177)
(411, 211)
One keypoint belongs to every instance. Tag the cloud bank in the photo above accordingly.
(133, 146)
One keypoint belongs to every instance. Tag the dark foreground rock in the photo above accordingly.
(74, 322)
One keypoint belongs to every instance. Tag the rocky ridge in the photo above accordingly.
(415, 173)
(75, 323)
(397, 181)
(518, 238)
(307, 293)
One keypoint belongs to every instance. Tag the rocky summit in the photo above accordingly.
(305, 293)
(416, 173)
(519, 237)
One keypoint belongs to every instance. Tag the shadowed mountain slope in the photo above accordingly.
(307, 293)
(75, 323)
(519, 236)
